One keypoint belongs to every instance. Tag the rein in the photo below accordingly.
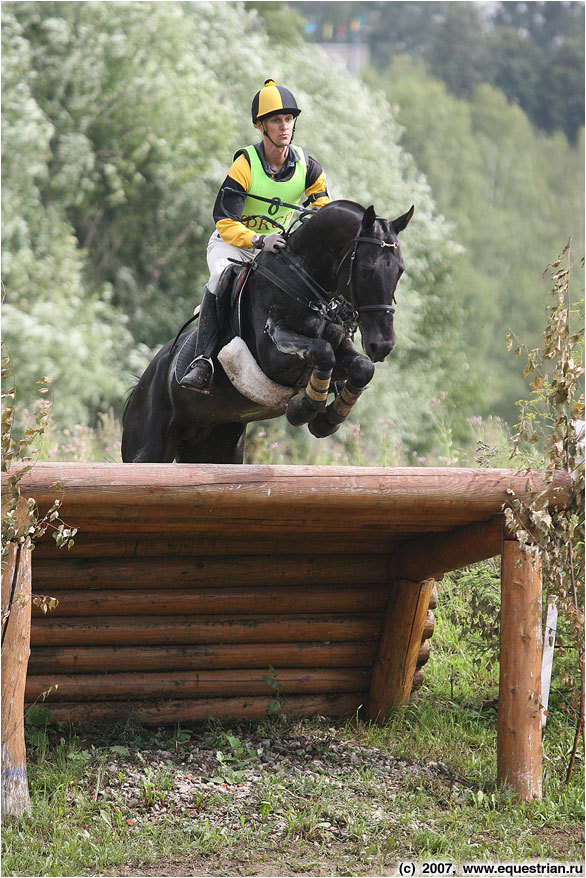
(324, 303)
(329, 306)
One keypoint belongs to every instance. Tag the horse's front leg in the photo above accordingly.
(304, 406)
(360, 371)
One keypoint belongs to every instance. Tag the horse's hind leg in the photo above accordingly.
(155, 450)
(225, 444)
(147, 435)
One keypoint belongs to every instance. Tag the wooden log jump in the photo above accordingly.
(201, 590)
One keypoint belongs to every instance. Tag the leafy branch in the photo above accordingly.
(551, 421)
(22, 525)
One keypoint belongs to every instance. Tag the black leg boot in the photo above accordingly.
(200, 372)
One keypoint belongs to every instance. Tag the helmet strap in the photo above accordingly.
(267, 135)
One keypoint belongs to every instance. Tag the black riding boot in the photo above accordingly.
(200, 373)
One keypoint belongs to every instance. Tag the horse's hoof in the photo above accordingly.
(299, 411)
(320, 427)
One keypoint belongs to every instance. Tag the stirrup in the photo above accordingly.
(205, 388)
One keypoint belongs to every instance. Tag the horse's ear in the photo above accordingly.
(403, 221)
(368, 218)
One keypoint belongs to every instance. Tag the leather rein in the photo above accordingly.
(335, 307)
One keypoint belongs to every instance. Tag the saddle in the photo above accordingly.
(238, 363)
(228, 303)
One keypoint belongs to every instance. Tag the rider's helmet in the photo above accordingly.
(272, 99)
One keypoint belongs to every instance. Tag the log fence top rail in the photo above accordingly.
(267, 509)
(327, 487)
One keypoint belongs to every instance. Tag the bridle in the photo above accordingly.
(351, 282)
(334, 307)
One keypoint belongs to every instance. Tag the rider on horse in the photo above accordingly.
(272, 169)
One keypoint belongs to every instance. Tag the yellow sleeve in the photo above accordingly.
(240, 172)
(232, 231)
(320, 185)
(235, 233)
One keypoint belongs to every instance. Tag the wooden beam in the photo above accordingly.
(201, 709)
(209, 601)
(159, 630)
(16, 625)
(392, 675)
(434, 554)
(99, 570)
(207, 496)
(153, 685)
(85, 659)
(519, 714)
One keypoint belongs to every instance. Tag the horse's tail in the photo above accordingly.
(129, 394)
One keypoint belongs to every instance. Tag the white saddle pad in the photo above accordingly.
(249, 379)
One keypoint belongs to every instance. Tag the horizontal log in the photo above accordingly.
(192, 684)
(231, 499)
(354, 533)
(83, 659)
(424, 653)
(57, 660)
(418, 678)
(202, 709)
(209, 486)
(168, 572)
(429, 626)
(201, 601)
(151, 630)
(435, 554)
(92, 544)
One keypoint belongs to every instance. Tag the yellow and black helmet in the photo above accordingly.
(272, 99)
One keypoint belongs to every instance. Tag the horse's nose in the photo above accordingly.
(377, 351)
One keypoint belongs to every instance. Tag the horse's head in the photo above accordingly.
(375, 266)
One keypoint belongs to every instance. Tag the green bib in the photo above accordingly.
(261, 184)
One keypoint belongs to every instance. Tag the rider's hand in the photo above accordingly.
(274, 242)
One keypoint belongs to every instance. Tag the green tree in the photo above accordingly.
(498, 181)
(459, 53)
(142, 116)
(533, 51)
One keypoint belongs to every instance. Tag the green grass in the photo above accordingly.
(354, 821)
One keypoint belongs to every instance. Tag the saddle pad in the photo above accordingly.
(249, 379)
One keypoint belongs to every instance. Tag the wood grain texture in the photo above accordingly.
(157, 630)
(167, 571)
(213, 601)
(256, 499)
(201, 709)
(16, 624)
(193, 684)
(400, 644)
(84, 659)
(519, 754)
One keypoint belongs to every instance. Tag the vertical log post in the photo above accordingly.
(519, 713)
(392, 674)
(16, 627)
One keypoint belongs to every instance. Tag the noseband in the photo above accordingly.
(362, 239)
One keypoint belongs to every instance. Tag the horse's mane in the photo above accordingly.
(350, 205)
(327, 221)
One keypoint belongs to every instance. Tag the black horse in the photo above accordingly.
(297, 317)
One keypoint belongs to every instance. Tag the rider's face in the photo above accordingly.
(279, 128)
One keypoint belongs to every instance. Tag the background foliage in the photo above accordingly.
(120, 120)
